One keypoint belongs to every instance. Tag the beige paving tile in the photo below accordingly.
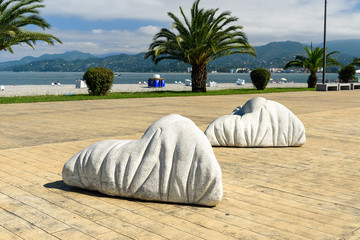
(72, 233)
(246, 222)
(31, 215)
(309, 192)
(129, 230)
(7, 235)
(20, 227)
(181, 224)
(112, 236)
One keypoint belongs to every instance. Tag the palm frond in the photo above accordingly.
(314, 60)
(204, 37)
(17, 14)
(356, 62)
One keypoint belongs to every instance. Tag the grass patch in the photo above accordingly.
(155, 94)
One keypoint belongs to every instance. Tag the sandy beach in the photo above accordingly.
(34, 90)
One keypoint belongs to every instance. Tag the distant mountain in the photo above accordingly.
(347, 47)
(109, 54)
(274, 54)
(68, 56)
(280, 50)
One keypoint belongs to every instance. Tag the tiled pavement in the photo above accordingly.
(310, 192)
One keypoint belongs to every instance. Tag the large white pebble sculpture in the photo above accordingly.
(172, 162)
(259, 123)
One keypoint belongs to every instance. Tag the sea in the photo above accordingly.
(45, 78)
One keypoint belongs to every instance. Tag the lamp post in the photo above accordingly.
(324, 58)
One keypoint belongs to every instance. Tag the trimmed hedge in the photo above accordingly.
(99, 80)
(260, 78)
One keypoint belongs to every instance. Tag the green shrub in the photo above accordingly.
(99, 80)
(347, 73)
(260, 78)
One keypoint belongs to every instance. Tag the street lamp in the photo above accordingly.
(324, 58)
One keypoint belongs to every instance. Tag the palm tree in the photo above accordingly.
(16, 14)
(313, 62)
(356, 62)
(198, 41)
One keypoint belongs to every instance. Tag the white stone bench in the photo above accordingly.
(355, 85)
(345, 86)
(327, 87)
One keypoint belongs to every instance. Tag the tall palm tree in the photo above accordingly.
(198, 41)
(313, 62)
(14, 16)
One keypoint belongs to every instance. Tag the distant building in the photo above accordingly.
(239, 70)
(276, 70)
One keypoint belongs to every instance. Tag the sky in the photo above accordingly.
(128, 26)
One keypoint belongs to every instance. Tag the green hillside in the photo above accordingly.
(272, 55)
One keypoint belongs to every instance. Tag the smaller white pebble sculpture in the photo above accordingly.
(259, 123)
(172, 162)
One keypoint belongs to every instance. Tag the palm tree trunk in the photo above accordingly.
(199, 77)
(312, 80)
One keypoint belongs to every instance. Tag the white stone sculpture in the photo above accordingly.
(259, 123)
(172, 162)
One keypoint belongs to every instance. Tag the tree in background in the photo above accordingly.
(14, 16)
(356, 62)
(199, 40)
(347, 73)
(313, 62)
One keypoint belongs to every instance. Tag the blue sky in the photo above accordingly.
(78, 23)
(128, 26)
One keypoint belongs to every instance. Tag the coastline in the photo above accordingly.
(36, 90)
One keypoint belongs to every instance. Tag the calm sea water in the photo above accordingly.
(45, 78)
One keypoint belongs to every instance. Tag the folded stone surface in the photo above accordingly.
(172, 162)
(259, 123)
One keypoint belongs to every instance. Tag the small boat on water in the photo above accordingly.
(117, 74)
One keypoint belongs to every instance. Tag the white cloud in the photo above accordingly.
(97, 31)
(109, 9)
(96, 41)
(263, 21)
(149, 30)
(103, 41)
